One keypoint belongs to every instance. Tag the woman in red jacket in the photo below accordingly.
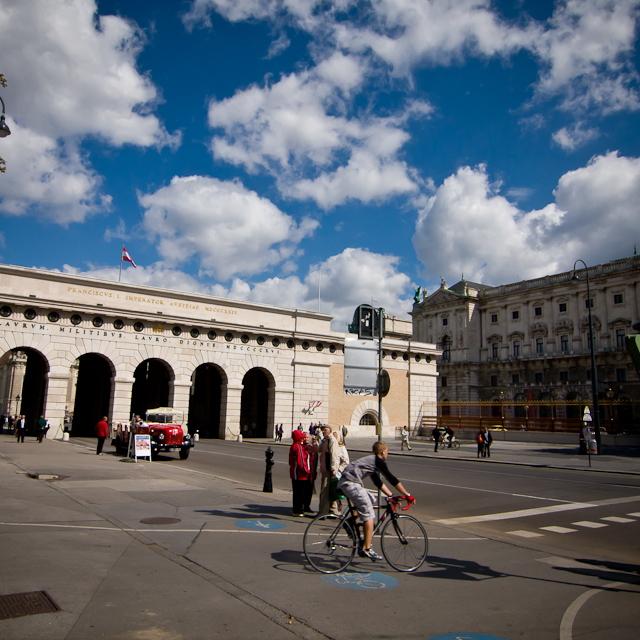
(300, 472)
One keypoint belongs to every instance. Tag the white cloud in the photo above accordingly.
(577, 135)
(71, 74)
(467, 227)
(295, 128)
(366, 177)
(601, 201)
(586, 55)
(229, 228)
(45, 174)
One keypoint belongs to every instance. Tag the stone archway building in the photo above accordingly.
(60, 318)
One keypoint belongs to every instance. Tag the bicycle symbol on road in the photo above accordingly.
(365, 580)
(257, 524)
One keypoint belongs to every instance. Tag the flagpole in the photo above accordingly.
(121, 254)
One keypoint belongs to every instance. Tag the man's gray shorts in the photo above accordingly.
(360, 498)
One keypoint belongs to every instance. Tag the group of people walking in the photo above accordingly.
(325, 452)
(18, 424)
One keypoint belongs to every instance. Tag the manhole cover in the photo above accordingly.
(160, 520)
(16, 605)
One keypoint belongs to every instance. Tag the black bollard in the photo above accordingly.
(268, 484)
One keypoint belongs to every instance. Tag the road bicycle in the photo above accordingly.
(444, 443)
(330, 541)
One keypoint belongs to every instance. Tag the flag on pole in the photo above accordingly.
(127, 258)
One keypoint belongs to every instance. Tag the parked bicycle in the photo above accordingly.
(330, 542)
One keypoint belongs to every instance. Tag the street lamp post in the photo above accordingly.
(4, 127)
(594, 371)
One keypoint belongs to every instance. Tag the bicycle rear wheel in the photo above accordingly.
(328, 545)
(404, 543)
(455, 445)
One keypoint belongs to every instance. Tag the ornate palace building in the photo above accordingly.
(529, 341)
(75, 349)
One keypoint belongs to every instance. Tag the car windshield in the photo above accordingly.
(165, 417)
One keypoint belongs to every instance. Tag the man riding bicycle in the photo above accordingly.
(351, 484)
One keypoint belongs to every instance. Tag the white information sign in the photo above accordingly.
(142, 445)
(360, 366)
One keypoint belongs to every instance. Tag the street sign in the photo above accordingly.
(360, 365)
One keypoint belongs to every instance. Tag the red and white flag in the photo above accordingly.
(127, 258)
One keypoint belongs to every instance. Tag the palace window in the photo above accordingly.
(537, 311)
(620, 335)
(495, 350)
(516, 348)
(539, 345)
(618, 298)
(494, 318)
(621, 375)
(564, 377)
(515, 315)
(515, 378)
(494, 381)
(562, 307)
(446, 350)
(564, 343)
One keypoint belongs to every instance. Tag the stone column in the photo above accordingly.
(121, 390)
(179, 395)
(232, 426)
(55, 402)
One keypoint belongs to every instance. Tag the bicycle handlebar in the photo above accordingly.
(396, 499)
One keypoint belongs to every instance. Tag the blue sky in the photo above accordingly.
(254, 149)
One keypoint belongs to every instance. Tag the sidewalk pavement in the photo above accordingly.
(148, 551)
(533, 454)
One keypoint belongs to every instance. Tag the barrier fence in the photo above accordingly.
(616, 417)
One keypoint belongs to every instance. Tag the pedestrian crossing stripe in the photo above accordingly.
(618, 519)
(559, 529)
(590, 525)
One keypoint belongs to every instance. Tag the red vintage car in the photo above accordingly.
(165, 426)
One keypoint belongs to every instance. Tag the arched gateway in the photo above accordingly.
(75, 349)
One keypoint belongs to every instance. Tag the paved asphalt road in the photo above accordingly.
(516, 551)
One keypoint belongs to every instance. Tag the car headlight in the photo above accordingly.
(161, 436)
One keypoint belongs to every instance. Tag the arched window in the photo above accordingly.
(368, 419)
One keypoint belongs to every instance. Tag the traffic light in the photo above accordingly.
(367, 322)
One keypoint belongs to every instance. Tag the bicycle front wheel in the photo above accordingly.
(328, 545)
(404, 543)
(455, 445)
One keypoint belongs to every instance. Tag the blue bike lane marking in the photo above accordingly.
(464, 636)
(257, 524)
(364, 580)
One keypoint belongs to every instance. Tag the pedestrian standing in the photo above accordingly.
(42, 428)
(480, 442)
(329, 462)
(435, 434)
(300, 473)
(344, 432)
(21, 428)
(102, 431)
(404, 434)
(313, 467)
(488, 439)
(3, 419)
